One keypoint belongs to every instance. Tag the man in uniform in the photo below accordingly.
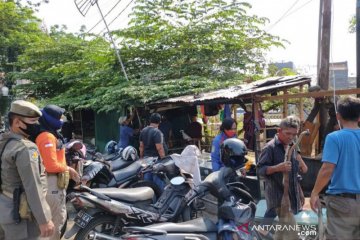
(22, 168)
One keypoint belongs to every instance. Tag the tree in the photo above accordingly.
(273, 70)
(171, 48)
(213, 38)
(63, 62)
(18, 28)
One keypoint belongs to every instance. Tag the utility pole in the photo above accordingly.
(323, 69)
(358, 45)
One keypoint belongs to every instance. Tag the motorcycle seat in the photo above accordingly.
(111, 157)
(119, 163)
(198, 225)
(125, 173)
(127, 194)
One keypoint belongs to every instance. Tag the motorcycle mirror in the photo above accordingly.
(177, 180)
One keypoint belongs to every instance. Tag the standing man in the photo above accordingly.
(22, 170)
(341, 165)
(271, 166)
(52, 150)
(152, 139)
(165, 127)
(152, 145)
(126, 131)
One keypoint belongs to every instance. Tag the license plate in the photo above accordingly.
(82, 219)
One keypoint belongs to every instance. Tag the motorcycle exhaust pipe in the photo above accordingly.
(95, 235)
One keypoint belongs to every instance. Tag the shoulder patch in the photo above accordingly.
(34, 155)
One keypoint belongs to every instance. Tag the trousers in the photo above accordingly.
(56, 198)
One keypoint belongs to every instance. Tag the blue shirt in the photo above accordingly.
(342, 148)
(126, 133)
(215, 151)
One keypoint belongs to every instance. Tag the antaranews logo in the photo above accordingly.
(302, 230)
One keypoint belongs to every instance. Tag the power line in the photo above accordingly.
(283, 16)
(104, 16)
(117, 16)
(297, 9)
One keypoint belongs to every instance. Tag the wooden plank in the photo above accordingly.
(301, 105)
(310, 94)
(285, 107)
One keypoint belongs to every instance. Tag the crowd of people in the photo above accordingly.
(33, 164)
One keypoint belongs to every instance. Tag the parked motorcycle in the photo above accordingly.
(121, 169)
(235, 215)
(108, 210)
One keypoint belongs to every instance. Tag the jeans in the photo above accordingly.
(155, 179)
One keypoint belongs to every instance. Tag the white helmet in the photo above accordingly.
(129, 154)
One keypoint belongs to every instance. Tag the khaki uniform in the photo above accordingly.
(21, 166)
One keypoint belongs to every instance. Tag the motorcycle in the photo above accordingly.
(108, 210)
(235, 215)
(100, 172)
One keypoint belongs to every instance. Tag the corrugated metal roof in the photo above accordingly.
(243, 91)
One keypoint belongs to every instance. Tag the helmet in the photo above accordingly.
(111, 147)
(129, 154)
(232, 152)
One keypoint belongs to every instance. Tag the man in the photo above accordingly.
(22, 168)
(152, 139)
(126, 131)
(52, 151)
(194, 130)
(271, 166)
(67, 128)
(165, 127)
(341, 165)
(152, 145)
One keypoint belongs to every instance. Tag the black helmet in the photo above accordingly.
(232, 152)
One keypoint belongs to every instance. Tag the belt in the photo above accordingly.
(346, 195)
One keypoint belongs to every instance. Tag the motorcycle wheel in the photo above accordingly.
(152, 185)
(101, 224)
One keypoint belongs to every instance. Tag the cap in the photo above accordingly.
(25, 109)
(54, 111)
(122, 119)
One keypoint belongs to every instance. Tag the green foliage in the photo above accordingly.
(18, 28)
(352, 24)
(273, 70)
(213, 38)
(171, 48)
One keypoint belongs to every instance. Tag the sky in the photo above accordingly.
(297, 21)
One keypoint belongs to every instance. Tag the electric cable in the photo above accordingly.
(116, 17)
(104, 17)
(283, 16)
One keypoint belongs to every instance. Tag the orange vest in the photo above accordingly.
(53, 158)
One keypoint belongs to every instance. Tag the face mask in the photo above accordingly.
(32, 130)
(230, 133)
